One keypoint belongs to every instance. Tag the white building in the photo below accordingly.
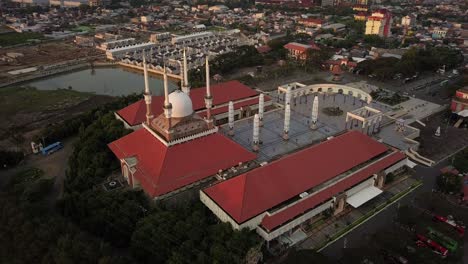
(408, 21)
(68, 3)
(32, 2)
(118, 53)
(146, 19)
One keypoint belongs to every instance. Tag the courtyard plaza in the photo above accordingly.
(272, 144)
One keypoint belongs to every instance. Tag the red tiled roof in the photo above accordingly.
(264, 49)
(295, 46)
(162, 169)
(340, 61)
(311, 21)
(313, 45)
(275, 220)
(375, 18)
(449, 169)
(225, 109)
(256, 191)
(337, 70)
(135, 113)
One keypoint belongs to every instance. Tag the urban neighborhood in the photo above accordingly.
(234, 131)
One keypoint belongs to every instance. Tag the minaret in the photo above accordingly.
(167, 105)
(185, 83)
(256, 132)
(287, 99)
(208, 97)
(231, 118)
(287, 120)
(261, 106)
(314, 118)
(147, 94)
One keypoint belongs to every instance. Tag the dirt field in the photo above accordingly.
(43, 54)
(23, 113)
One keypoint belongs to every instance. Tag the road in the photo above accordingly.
(426, 87)
(384, 218)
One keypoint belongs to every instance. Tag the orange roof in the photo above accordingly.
(135, 113)
(337, 70)
(264, 49)
(297, 46)
(162, 169)
(261, 189)
(275, 220)
(311, 20)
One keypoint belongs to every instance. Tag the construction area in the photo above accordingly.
(30, 59)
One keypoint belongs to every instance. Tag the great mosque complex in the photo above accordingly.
(267, 162)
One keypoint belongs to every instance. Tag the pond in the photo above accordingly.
(113, 81)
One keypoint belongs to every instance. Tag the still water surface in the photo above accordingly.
(106, 81)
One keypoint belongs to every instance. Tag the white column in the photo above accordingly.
(147, 94)
(231, 118)
(287, 120)
(208, 97)
(347, 120)
(256, 132)
(207, 70)
(380, 122)
(314, 117)
(167, 104)
(145, 73)
(287, 99)
(261, 106)
(185, 86)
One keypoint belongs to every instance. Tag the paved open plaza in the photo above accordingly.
(272, 144)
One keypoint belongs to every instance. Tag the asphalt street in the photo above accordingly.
(385, 217)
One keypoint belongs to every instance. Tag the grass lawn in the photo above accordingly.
(27, 99)
(15, 38)
(218, 29)
(82, 29)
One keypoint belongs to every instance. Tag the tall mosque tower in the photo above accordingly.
(178, 120)
(175, 148)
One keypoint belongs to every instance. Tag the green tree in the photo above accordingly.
(460, 161)
(317, 58)
(374, 41)
(449, 183)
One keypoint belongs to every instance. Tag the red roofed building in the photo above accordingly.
(134, 114)
(161, 169)
(263, 49)
(176, 148)
(297, 51)
(361, 16)
(311, 22)
(341, 62)
(460, 100)
(280, 196)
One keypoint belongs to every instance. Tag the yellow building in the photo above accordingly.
(360, 16)
(379, 23)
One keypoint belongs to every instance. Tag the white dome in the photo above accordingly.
(181, 104)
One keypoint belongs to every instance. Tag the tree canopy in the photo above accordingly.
(414, 60)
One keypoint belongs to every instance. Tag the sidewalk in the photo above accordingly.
(338, 225)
